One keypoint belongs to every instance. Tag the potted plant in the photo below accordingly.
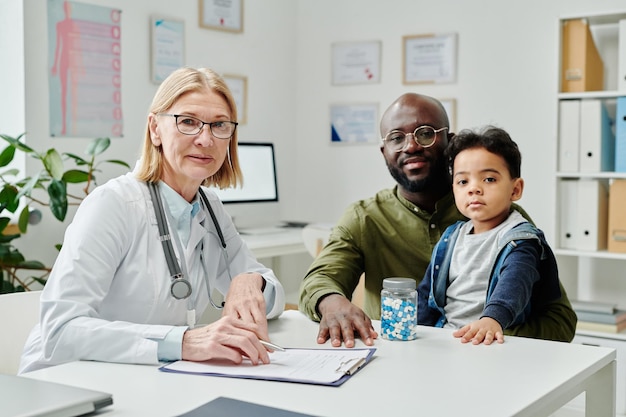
(49, 187)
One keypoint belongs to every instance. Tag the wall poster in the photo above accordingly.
(356, 62)
(429, 58)
(84, 73)
(168, 47)
(354, 123)
(221, 14)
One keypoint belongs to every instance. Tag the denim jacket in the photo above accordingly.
(523, 280)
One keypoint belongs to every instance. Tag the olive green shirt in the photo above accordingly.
(388, 236)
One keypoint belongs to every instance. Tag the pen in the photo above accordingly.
(272, 346)
(355, 367)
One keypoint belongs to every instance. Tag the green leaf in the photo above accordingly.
(4, 222)
(75, 176)
(77, 159)
(58, 199)
(40, 280)
(118, 162)
(7, 156)
(13, 258)
(98, 146)
(22, 222)
(6, 287)
(31, 265)
(15, 142)
(8, 198)
(54, 164)
(7, 238)
(12, 171)
(28, 187)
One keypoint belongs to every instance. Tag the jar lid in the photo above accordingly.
(399, 283)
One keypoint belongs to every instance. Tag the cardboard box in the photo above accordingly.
(617, 217)
(582, 68)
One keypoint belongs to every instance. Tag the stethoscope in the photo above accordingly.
(180, 287)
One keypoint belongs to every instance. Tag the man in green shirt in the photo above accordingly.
(393, 233)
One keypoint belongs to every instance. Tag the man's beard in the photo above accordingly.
(437, 178)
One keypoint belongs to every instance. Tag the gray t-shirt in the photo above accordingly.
(472, 261)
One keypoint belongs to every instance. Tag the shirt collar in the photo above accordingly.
(181, 211)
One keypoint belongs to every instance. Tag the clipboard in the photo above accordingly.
(331, 367)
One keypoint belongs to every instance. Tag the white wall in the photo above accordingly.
(12, 117)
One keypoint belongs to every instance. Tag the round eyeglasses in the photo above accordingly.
(188, 125)
(425, 136)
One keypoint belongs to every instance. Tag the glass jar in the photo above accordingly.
(398, 309)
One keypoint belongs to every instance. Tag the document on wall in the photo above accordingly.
(307, 366)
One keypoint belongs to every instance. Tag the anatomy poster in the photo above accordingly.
(84, 73)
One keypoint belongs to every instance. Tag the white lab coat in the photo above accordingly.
(108, 296)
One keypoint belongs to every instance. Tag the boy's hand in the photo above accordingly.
(485, 330)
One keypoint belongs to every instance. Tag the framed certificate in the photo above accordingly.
(429, 58)
(354, 123)
(356, 62)
(238, 86)
(167, 47)
(221, 14)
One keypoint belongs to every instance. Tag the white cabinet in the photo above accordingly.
(585, 169)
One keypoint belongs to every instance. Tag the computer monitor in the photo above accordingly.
(256, 202)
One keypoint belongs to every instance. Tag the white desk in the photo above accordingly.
(434, 375)
(287, 242)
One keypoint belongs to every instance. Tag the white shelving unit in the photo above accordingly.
(584, 262)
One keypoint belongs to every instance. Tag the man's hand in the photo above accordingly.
(341, 320)
(484, 330)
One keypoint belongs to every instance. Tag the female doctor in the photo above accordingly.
(145, 250)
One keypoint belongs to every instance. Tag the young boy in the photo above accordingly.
(490, 272)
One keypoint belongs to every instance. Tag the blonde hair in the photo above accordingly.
(179, 82)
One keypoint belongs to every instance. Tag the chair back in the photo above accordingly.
(315, 236)
(19, 313)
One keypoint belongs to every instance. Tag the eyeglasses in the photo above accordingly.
(425, 136)
(188, 125)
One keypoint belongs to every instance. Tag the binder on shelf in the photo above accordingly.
(617, 217)
(620, 129)
(597, 140)
(621, 63)
(569, 135)
(568, 197)
(582, 68)
(592, 215)
(583, 222)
